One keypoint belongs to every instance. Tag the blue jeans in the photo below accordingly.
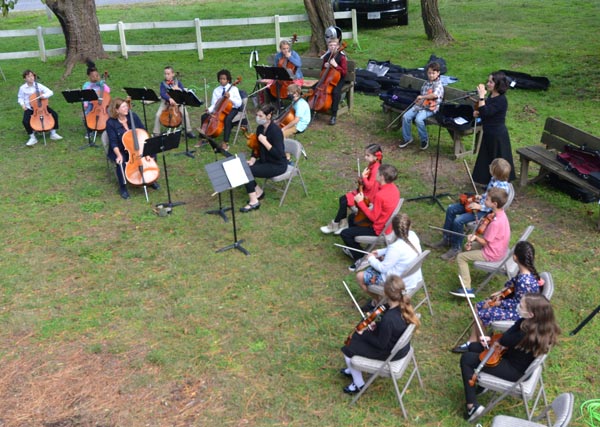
(456, 219)
(419, 116)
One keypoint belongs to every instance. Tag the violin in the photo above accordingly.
(430, 104)
(41, 119)
(139, 170)
(282, 85)
(253, 144)
(97, 117)
(489, 357)
(171, 116)
(320, 98)
(467, 199)
(366, 322)
(213, 126)
(360, 218)
(496, 299)
(485, 222)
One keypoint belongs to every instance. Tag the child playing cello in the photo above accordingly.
(369, 184)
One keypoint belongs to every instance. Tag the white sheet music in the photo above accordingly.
(235, 172)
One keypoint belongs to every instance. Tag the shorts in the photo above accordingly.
(372, 277)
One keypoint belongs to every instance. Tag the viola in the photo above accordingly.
(97, 117)
(320, 98)
(489, 357)
(215, 123)
(139, 170)
(41, 119)
(253, 144)
(283, 62)
(366, 322)
(171, 116)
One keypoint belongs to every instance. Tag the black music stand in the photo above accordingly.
(277, 74)
(160, 144)
(434, 197)
(72, 96)
(222, 209)
(142, 94)
(220, 181)
(183, 98)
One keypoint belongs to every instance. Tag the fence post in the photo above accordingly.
(354, 27)
(277, 32)
(41, 44)
(199, 39)
(121, 27)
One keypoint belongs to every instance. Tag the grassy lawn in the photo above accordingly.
(113, 316)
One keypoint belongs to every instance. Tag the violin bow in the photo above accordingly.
(352, 249)
(448, 231)
(462, 284)
(354, 300)
(470, 176)
(400, 115)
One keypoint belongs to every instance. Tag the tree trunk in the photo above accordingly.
(320, 16)
(81, 29)
(432, 21)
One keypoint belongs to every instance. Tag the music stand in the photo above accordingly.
(585, 321)
(277, 74)
(222, 209)
(158, 144)
(142, 94)
(183, 98)
(76, 95)
(223, 180)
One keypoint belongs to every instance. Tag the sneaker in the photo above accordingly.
(352, 268)
(54, 136)
(461, 293)
(450, 254)
(474, 413)
(125, 194)
(352, 389)
(405, 143)
(440, 244)
(342, 226)
(348, 252)
(424, 145)
(463, 348)
(332, 227)
(32, 141)
(155, 185)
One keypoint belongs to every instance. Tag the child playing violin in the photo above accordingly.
(29, 88)
(425, 105)
(502, 305)
(393, 260)
(491, 246)
(367, 183)
(170, 82)
(533, 335)
(227, 90)
(378, 340)
(457, 216)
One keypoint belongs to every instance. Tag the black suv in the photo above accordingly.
(375, 10)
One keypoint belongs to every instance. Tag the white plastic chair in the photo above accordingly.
(561, 408)
(390, 369)
(295, 149)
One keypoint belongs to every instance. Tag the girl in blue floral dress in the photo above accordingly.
(502, 305)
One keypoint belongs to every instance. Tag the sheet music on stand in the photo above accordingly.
(234, 170)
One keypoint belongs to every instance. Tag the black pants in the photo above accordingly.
(469, 362)
(342, 210)
(336, 97)
(263, 170)
(227, 123)
(351, 232)
(27, 118)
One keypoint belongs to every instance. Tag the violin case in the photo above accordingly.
(399, 98)
(582, 162)
(521, 80)
(450, 115)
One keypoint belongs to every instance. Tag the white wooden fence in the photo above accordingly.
(197, 24)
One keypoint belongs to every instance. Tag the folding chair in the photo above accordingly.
(505, 266)
(561, 409)
(524, 388)
(241, 117)
(414, 266)
(547, 291)
(382, 239)
(295, 149)
(390, 369)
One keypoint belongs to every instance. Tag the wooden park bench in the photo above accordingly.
(451, 95)
(555, 136)
(311, 69)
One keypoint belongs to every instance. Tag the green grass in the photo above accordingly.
(187, 336)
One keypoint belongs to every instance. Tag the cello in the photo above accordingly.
(171, 116)
(284, 63)
(215, 123)
(97, 117)
(320, 98)
(41, 119)
(139, 170)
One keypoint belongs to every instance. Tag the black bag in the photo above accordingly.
(576, 193)
(582, 162)
(441, 61)
(366, 86)
(399, 98)
(520, 80)
(456, 116)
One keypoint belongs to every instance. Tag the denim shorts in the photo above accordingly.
(372, 277)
